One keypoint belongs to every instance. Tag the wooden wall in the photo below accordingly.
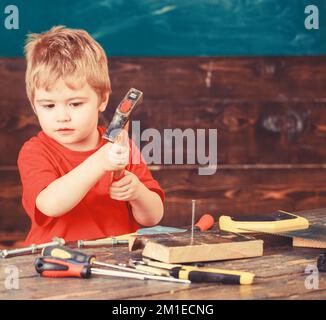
(270, 114)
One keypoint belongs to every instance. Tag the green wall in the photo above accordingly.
(175, 28)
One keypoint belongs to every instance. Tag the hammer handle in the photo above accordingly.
(117, 175)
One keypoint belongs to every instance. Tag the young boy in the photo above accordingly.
(66, 170)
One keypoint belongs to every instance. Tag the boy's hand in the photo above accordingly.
(127, 188)
(114, 156)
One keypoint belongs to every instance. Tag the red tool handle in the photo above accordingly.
(125, 106)
(61, 268)
(205, 222)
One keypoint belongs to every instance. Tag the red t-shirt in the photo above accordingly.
(43, 160)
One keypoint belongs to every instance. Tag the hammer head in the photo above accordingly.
(122, 114)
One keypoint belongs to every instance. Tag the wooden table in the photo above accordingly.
(280, 274)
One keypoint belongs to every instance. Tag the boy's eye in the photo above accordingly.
(48, 106)
(76, 104)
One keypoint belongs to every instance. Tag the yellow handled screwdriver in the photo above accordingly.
(200, 274)
(203, 274)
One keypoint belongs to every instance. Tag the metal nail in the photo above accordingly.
(193, 220)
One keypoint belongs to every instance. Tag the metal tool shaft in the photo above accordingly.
(31, 249)
(139, 276)
(114, 266)
(92, 243)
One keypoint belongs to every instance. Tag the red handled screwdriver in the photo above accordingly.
(61, 268)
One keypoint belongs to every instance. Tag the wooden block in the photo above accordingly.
(313, 237)
(206, 246)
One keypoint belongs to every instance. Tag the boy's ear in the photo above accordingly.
(105, 101)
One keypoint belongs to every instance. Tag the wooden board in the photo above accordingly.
(313, 237)
(206, 246)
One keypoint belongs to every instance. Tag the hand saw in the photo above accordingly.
(280, 223)
(276, 222)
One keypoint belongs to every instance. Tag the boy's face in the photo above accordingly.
(70, 116)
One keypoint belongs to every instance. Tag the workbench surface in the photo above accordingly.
(280, 274)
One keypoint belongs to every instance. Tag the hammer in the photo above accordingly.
(120, 121)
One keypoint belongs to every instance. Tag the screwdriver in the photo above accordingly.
(203, 274)
(200, 274)
(79, 257)
(61, 268)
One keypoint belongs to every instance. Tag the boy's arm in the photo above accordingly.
(147, 206)
(66, 192)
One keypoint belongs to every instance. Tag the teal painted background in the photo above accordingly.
(176, 27)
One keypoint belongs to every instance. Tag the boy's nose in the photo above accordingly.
(63, 114)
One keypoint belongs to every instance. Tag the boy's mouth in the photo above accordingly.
(65, 129)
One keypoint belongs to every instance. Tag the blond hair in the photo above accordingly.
(65, 53)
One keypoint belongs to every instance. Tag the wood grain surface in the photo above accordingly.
(280, 274)
(269, 113)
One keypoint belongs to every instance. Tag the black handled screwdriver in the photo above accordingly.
(79, 257)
